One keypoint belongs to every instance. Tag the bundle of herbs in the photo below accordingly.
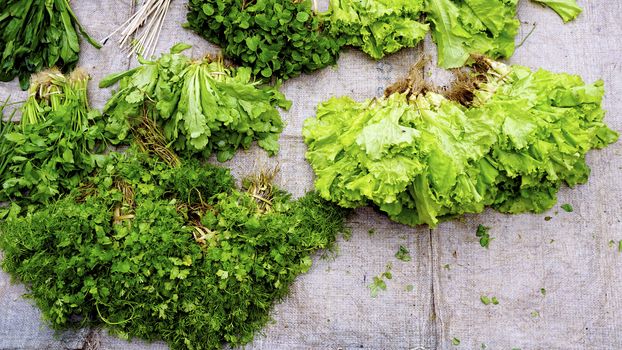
(283, 38)
(38, 34)
(59, 141)
(167, 253)
(201, 106)
(280, 38)
(514, 139)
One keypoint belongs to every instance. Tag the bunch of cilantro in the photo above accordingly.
(38, 34)
(422, 158)
(59, 141)
(283, 38)
(202, 106)
(280, 38)
(166, 253)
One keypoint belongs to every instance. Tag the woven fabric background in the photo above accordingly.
(330, 307)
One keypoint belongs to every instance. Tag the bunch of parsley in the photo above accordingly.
(280, 38)
(38, 34)
(59, 141)
(202, 106)
(166, 253)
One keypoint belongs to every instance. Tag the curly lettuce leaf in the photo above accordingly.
(378, 27)
(425, 159)
(463, 28)
(566, 9)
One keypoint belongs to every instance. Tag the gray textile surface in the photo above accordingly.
(330, 307)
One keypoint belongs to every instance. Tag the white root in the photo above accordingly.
(150, 17)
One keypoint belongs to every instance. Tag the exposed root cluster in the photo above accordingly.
(260, 187)
(461, 90)
(150, 140)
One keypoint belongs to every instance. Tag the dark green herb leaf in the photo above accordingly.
(403, 254)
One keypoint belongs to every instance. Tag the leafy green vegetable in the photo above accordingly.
(6, 149)
(35, 35)
(403, 254)
(422, 158)
(484, 236)
(201, 106)
(59, 142)
(567, 208)
(283, 38)
(378, 27)
(464, 27)
(280, 38)
(566, 9)
(173, 253)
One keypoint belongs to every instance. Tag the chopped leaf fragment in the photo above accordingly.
(403, 254)
(567, 208)
(378, 283)
(488, 300)
(484, 236)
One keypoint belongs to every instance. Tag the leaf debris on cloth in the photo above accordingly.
(403, 254)
(488, 300)
(422, 158)
(35, 35)
(201, 106)
(379, 284)
(483, 235)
